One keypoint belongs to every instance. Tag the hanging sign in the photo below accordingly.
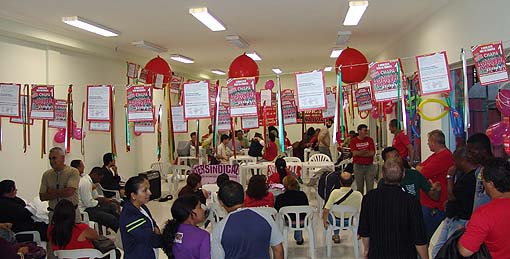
(178, 123)
(99, 102)
(139, 103)
(314, 116)
(60, 120)
(363, 97)
(132, 70)
(310, 89)
(10, 100)
(289, 113)
(103, 126)
(490, 63)
(224, 96)
(42, 103)
(196, 100)
(143, 75)
(23, 118)
(270, 117)
(249, 123)
(158, 82)
(176, 83)
(242, 97)
(224, 120)
(145, 127)
(331, 102)
(433, 73)
(265, 96)
(384, 79)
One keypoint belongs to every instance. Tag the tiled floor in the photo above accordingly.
(161, 213)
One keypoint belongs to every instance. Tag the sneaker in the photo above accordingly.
(300, 242)
(336, 239)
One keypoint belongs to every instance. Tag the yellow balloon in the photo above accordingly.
(441, 115)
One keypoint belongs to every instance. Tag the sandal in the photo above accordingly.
(166, 198)
(336, 239)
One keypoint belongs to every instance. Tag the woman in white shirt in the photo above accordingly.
(224, 152)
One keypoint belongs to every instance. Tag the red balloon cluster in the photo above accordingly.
(354, 66)
(244, 66)
(155, 66)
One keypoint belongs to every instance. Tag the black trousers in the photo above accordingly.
(105, 214)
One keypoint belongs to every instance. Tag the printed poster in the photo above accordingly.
(363, 98)
(176, 83)
(178, 123)
(331, 104)
(10, 100)
(242, 97)
(289, 113)
(132, 70)
(145, 126)
(23, 118)
(224, 119)
(224, 96)
(60, 120)
(310, 89)
(99, 102)
(490, 63)
(139, 103)
(196, 100)
(269, 117)
(103, 126)
(433, 73)
(384, 78)
(249, 123)
(43, 103)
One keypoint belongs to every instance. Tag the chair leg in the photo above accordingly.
(285, 242)
(312, 242)
(355, 242)
(328, 240)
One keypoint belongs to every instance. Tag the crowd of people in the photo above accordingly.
(467, 191)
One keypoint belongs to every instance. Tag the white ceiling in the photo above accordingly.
(295, 35)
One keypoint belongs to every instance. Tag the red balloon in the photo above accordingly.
(351, 73)
(155, 66)
(244, 66)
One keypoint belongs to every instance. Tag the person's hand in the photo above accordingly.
(23, 250)
(6, 225)
(435, 186)
(67, 192)
(157, 231)
(94, 186)
(326, 223)
(419, 168)
(114, 169)
(452, 170)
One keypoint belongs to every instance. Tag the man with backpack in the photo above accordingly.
(343, 196)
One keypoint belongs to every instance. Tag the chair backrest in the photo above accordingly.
(82, 253)
(162, 167)
(292, 159)
(349, 215)
(266, 210)
(183, 148)
(101, 191)
(319, 158)
(344, 163)
(303, 214)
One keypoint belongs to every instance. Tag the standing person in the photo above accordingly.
(234, 238)
(140, 234)
(224, 152)
(324, 139)
(363, 151)
(60, 182)
(490, 223)
(111, 179)
(435, 168)
(480, 152)
(401, 142)
(391, 223)
(181, 237)
(292, 197)
(461, 192)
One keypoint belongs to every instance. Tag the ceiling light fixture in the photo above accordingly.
(182, 58)
(218, 72)
(277, 70)
(253, 55)
(342, 38)
(328, 68)
(335, 52)
(90, 26)
(149, 45)
(238, 41)
(355, 12)
(207, 19)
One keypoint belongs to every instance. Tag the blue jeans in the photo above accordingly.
(432, 218)
(298, 234)
(449, 227)
(330, 220)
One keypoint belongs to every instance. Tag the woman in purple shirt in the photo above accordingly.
(181, 236)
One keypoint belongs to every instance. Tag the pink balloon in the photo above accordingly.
(495, 133)
(60, 136)
(269, 84)
(375, 113)
(77, 133)
(502, 102)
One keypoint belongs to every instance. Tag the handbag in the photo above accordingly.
(103, 244)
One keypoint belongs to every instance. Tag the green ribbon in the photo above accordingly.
(398, 96)
(341, 110)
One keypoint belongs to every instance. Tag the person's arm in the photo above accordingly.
(325, 213)
(423, 251)
(366, 242)
(464, 251)
(90, 234)
(277, 251)
(51, 194)
(434, 167)
(450, 181)
(410, 151)
(435, 190)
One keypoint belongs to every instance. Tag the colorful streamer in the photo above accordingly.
(280, 114)
(112, 123)
(82, 143)
(158, 149)
(342, 124)
(216, 116)
(467, 123)
(170, 125)
(128, 135)
(70, 119)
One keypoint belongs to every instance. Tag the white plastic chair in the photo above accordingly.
(92, 224)
(216, 213)
(83, 253)
(292, 159)
(319, 158)
(162, 167)
(101, 191)
(346, 212)
(36, 237)
(179, 173)
(344, 163)
(301, 223)
(212, 190)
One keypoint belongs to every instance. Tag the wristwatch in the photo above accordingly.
(449, 176)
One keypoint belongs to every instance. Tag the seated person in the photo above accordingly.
(111, 179)
(256, 145)
(14, 211)
(258, 194)
(221, 179)
(292, 197)
(11, 249)
(224, 152)
(286, 141)
(271, 149)
(281, 171)
(244, 143)
(194, 187)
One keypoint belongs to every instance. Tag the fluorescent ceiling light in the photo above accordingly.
(342, 37)
(335, 52)
(149, 45)
(355, 12)
(238, 41)
(277, 70)
(218, 72)
(253, 55)
(207, 19)
(90, 26)
(328, 68)
(182, 58)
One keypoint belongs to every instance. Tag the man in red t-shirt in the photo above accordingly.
(363, 151)
(401, 142)
(435, 168)
(489, 224)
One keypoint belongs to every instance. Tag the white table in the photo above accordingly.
(242, 158)
(245, 169)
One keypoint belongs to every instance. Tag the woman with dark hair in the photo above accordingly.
(292, 197)
(182, 239)
(257, 194)
(194, 187)
(140, 234)
(64, 233)
(281, 171)
(14, 211)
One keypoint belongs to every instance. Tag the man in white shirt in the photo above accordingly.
(224, 152)
(100, 209)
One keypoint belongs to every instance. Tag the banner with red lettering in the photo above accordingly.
(384, 79)
(224, 119)
(60, 120)
(176, 84)
(43, 102)
(363, 96)
(139, 103)
(10, 100)
(490, 63)
(242, 98)
(209, 173)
